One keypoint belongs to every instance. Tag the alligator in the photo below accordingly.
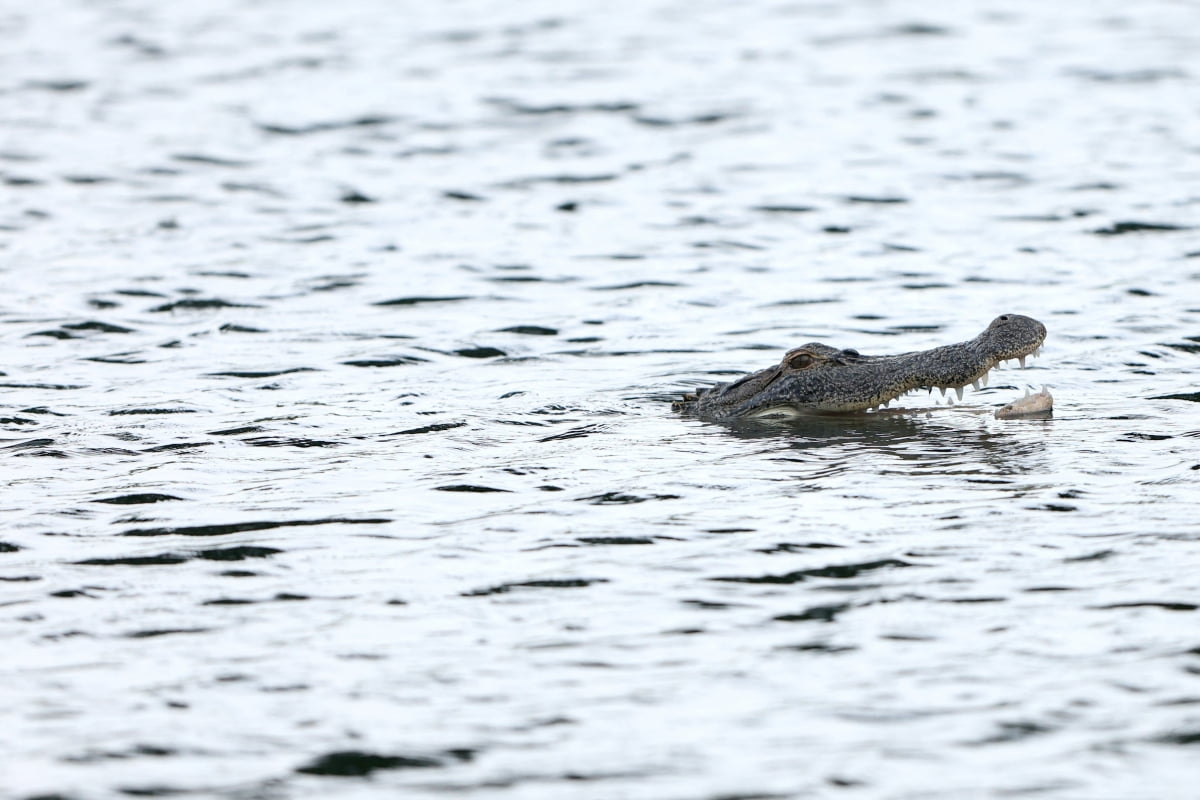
(816, 378)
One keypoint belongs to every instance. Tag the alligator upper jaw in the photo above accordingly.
(977, 381)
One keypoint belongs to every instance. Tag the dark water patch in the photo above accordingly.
(636, 285)
(171, 448)
(790, 547)
(615, 540)
(1129, 76)
(260, 373)
(817, 647)
(1180, 737)
(623, 499)
(242, 527)
(137, 499)
(57, 85)
(973, 600)
(465, 197)
(56, 387)
(710, 118)
(837, 229)
(95, 325)
(243, 601)
(417, 300)
(1193, 397)
(480, 352)
(154, 633)
(1099, 555)
(22, 180)
(561, 179)
(355, 197)
(87, 180)
(710, 605)
(289, 441)
(784, 208)
(1134, 436)
(815, 301)
(357, 764)
(518, 107)
(237, 431)
(1013, 732)
(1185, 347)
(137, 751)
(238, 553)
(199, 304)
(1168, 606)
(827, 613)
(434, 428)
(137, 293)
(131, 357)
(839, 572)
(875, 200)
(727, 244)
(210, 161)
(17, 421)
(390, 361)
(468, 487)
(229, 327)
(365, 121)
(135, 561)
(992, 176)
(263, 189)
(142, 411)
(530, 330)
(29, 444)
(42, 410)
(574, 433)
(564, 583)
(52, 334)
(1122, 228)
(8, 547)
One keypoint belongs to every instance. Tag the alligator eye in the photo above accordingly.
(801, 361)
(850, 351)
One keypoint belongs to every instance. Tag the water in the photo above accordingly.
(339, 341)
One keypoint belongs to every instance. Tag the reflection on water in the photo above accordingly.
(339, 351)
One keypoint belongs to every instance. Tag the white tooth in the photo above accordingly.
(959, 391)
(976, 384)
(1022, 360)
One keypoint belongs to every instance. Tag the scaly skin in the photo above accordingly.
(817, 378)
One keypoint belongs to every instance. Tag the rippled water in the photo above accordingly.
(338, 349)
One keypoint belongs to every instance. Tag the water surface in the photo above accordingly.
(338, 350)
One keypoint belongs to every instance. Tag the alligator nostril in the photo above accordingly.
(1004, 317)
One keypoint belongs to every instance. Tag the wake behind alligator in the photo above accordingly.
(818, 378)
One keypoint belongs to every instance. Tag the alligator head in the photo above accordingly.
(817, 378)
